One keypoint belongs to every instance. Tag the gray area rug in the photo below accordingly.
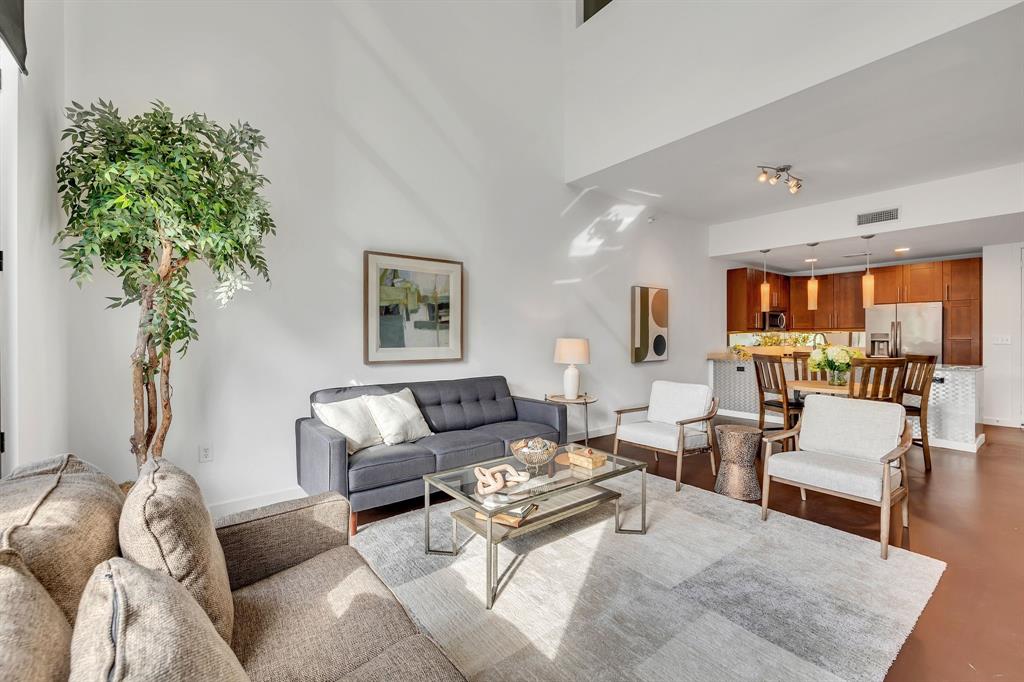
(710, 593)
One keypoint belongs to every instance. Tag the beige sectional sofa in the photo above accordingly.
(96, 586)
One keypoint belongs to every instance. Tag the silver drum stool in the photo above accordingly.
(738, 447)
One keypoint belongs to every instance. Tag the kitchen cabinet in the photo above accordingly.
(961, 332)
(848, 301)
(779, 295)
(743, 297)
(961, 279)
(922, 282)
(888, 284)
(799, 316)
(825, 314)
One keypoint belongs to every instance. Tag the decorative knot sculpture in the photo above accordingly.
(496, 478)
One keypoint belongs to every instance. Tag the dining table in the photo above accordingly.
(818, 386)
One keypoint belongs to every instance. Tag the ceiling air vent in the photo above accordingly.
(882, 216)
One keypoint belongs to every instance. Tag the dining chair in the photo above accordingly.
(772, 392)
(918, 382)
(678, 423)
(801, 372)
(879, 379)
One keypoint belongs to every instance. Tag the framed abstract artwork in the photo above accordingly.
(412, 308)
(649, 318)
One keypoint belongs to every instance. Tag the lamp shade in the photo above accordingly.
(867, 282)
(572, 351)
(812, 294)
(766, 296)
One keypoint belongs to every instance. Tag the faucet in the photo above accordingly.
(814, 340)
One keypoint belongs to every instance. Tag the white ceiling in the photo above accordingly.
(949, 106)
(926, 243)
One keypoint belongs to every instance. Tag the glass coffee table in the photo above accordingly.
(558, 488)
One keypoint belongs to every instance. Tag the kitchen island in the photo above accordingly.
(954, 407)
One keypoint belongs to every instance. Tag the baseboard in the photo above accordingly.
(220, 509)
(957, 445)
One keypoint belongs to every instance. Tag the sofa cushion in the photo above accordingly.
(35, 638)
(138, 624)
(413, 658)
(319, 620)
(165, 526)
(849, 475)
(61, 516)
(507, 432)
(397, 416)
(352, 419)
(386, 464)
(459, 448)
(661, 436)
(865, 429)
(673, 402)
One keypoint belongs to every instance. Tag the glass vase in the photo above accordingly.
(837, 377)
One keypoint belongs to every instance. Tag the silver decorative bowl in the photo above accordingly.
(533, 452)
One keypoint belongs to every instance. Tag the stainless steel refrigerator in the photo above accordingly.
(896, 329)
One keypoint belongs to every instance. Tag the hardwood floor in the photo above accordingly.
(968, 511)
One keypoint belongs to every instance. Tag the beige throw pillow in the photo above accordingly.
(139, 624)
(61, 516)
(397, 416)
(351, 418)
(165, 526)
(35, 637)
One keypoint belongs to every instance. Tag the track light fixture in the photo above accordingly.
(773, 174)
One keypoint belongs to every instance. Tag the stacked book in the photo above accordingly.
(511, 517)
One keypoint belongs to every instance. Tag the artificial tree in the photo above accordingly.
(148, 196)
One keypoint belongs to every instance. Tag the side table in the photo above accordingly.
(584, 400)
(738, 447)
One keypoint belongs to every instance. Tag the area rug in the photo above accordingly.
(709, 593)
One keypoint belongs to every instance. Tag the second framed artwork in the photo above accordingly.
(649, 330)
(412, 308)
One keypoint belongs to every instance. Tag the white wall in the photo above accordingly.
(35, 295)
(643, 73)
(416, 127)
(1002, 310)
(993, 192)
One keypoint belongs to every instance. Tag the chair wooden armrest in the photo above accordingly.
(782, 435)
(906, 440)
(705, 418)
(627, 410)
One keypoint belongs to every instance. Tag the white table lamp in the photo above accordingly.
(572, 352)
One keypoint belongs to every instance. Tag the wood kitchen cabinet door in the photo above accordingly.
(961, 332)
(888, 284)
(961, 279)
(922, 282)
(848, 301)
(799, 316)
(824, 316)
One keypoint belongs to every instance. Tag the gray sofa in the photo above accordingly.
(472, 420)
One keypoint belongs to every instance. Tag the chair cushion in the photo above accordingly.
(139, 624)
(413, 658)
(793, 404)
(866, 429)
(661, 436)
(165, 526)
(850, 475)
(35, 638)
(61, 516)
(387, 464)
(319, 620)
(673, 402)
(459, 448)
(511, 431)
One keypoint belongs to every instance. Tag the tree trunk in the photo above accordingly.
(165, 403)
(139, 356)
(150, 395)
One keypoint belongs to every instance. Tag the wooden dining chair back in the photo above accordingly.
(877, 379)
(801, 371)
(772, 392)
(918, 382)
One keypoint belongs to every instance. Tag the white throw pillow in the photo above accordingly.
(398, 417)
(352, 418)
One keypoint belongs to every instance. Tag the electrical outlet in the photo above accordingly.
(1001, 340)
(205, 453)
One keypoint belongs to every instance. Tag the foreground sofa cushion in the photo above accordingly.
(61, 516)
(320, 620)
(509, 432)
(139, 624)
(458, 448)
(413, 658)
(386, 464)
(35, 637)
(165, 526)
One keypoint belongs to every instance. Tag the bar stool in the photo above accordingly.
(918, 382)
(878, 379)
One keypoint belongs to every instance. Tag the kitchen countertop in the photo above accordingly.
(729, 356)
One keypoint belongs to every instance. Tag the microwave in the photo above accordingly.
(773, 321)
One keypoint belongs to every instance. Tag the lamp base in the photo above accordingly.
(571, 382)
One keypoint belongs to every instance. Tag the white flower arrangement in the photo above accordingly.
(833, 358)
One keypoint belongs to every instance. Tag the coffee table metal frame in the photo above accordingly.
(495, 533)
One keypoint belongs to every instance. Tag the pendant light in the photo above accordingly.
(867, 282)
(766, 289)
(812, 283)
